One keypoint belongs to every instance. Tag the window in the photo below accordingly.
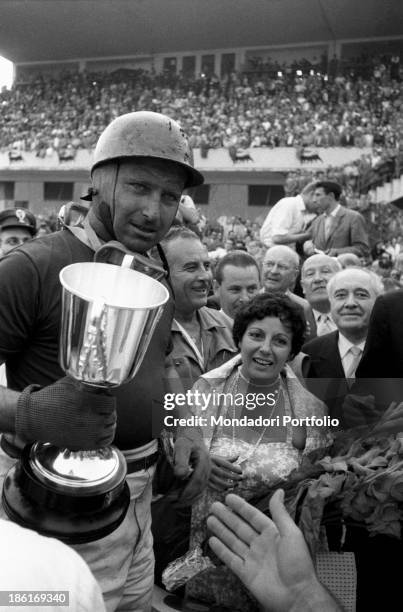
(189, 65)
(201, 195)
(6, 190)
(227, 63)
(207, 64)
(264, 195)
(170, 65)
(58, 191)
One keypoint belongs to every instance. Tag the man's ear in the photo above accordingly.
(303, 286)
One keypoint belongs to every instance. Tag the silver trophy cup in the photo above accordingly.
(109, 314)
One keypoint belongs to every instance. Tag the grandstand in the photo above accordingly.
(223, 70)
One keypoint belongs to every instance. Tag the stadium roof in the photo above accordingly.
(46, 30)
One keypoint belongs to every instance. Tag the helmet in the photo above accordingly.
(146, 134)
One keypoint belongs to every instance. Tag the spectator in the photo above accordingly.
(346, 260)
(316, 271)
(335, 356)
(201, 338)
(17, 226)
(338, 229)
(237, 281)
(279, 273)
(288, 221)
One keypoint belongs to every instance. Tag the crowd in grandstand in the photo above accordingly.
(271, 104)
(259, 108)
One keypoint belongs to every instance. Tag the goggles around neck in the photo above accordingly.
(114, 252)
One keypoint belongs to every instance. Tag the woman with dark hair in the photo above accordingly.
(247, 405)
(257, 384)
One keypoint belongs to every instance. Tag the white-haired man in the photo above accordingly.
(335, 356)
(353, 292)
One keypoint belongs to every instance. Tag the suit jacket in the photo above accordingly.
(383, 354)
(309, 316)
(325, 373)
(348, 234)
(380, 372)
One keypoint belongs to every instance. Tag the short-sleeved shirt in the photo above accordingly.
(288, 216)
(218, 346)
(30, 318)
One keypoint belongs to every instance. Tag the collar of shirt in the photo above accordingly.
(228, 319)
(317, 314)
(334, 212)
(345, 345)
(207, 318)
(300, 204)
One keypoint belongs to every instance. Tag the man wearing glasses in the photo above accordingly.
(280, 270)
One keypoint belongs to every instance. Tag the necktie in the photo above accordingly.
(324, 325)
(356, 353)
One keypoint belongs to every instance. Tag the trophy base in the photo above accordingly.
(73, 520)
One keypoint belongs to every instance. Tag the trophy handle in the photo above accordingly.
(114, 252)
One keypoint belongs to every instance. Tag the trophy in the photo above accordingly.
(109, 314)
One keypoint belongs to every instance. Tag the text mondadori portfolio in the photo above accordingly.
(198, 401)
(246, 421)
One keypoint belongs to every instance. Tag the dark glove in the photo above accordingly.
(192, 461)
(67, 414)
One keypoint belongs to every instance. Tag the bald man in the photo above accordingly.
(280, 270)
(348, 260)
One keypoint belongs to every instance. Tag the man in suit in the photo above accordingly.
(353, 293)
(280, 270)
(334, 357)
(380, 372)
(316, 271)
(338, 229)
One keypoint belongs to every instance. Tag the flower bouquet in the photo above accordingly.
(358, 481)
